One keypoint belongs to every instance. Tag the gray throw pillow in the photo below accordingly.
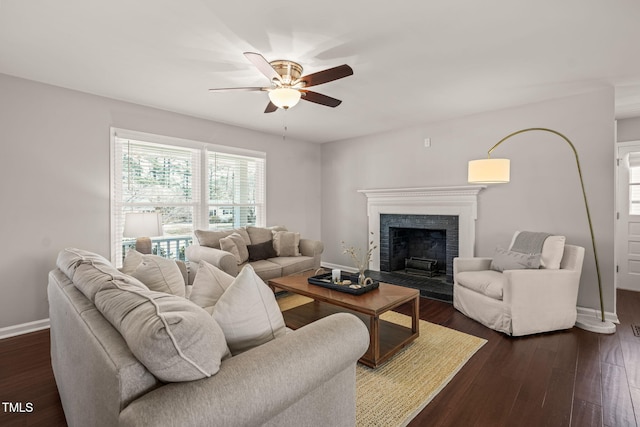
(235, 244)
(157, 273)
(174, 338)
(286, 243)
(510, 260)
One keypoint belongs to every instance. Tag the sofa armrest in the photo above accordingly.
(224, 260)
(541, 300)
(253, 387)
(470, 264)
(310, 247)
(541, 288)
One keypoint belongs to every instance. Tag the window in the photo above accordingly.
(634, 183)
(192, 185)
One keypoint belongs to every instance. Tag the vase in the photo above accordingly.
(361, 278)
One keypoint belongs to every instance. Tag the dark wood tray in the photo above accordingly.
(324, 280)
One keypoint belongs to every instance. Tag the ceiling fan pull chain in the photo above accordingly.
(284, 124)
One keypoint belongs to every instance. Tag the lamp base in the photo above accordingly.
(143, 245)
(595, 324)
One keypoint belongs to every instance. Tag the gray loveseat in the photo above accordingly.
(207, 248)
(303, 378)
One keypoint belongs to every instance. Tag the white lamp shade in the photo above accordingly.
(489, 171)
(284, 97)
(142, 224)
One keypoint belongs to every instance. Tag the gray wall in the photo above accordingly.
(628, 129)
(543, 195)
(54, 180)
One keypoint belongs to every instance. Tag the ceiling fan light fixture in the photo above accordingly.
(284, 97)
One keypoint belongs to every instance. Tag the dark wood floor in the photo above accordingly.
(571, 378)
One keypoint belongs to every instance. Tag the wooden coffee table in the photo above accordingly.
(385, 338)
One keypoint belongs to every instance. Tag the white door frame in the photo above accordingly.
(631, 144)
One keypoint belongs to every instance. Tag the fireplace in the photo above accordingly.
(428, 216)
(419, 244)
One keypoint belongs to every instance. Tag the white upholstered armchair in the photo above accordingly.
(520, 301)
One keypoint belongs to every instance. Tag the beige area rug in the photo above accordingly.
(394, 393)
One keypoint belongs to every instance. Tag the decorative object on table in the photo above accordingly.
(346, 282)
(496, 171)
(335, 275)
(360, 260)
(143, 226)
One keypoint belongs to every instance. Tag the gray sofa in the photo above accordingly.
(206, 247)
(303, 378)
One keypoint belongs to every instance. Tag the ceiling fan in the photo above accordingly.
(287, 85)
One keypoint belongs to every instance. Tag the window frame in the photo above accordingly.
(201, 203)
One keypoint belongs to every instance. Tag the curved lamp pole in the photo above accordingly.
(494, 171)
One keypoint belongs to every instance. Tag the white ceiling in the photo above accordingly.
(414, 61)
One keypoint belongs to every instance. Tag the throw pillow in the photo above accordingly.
(243, 232)
(235, 244)
(552, 251)
(248, 313)
(261, 251)
(157, 273)
(510, 260)
(92, 275)
(286, 243)
(131, 261)
(70, 258)
(175, 339)
(229, 245)
(208, 285)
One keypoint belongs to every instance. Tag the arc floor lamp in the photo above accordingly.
(497, 171)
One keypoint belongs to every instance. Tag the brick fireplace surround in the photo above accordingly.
(404, 230)
(450, 201)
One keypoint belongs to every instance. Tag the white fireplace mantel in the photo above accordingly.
(461, 201)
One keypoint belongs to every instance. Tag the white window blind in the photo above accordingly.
(192, 185)
(235, 194)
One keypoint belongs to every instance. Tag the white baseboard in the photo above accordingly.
(592, 312)
(25, 328)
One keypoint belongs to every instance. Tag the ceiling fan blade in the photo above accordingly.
(238, 89)
(262, 65)
(271, 107)
(325, 76)
(319, 98)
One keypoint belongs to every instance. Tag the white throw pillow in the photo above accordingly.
(158, 273)
(208, 285)
(286, 243)
(248, 313)
(552, 252)
(131, 261)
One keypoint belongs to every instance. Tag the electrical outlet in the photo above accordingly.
(427, 142)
